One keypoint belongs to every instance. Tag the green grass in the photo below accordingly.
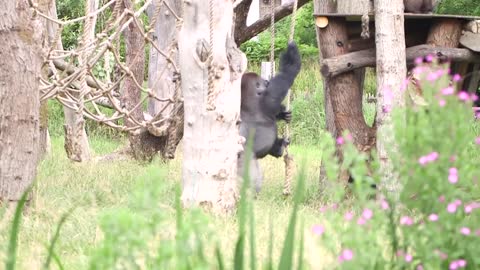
(95, 189)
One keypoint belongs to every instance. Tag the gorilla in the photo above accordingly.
(418, 6)
(261, 108)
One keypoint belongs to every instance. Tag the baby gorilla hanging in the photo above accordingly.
(261, 108)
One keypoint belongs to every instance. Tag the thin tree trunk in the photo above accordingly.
(76, 140)
(391, 72)
(211, 138)
(20, 67)
(131, 95)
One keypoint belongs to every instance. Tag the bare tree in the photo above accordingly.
(391, 71)
(211, 66)
(21, 54)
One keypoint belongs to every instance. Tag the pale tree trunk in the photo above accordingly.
(391, 72)
(211, 138)
(76, 140)
(163, 81)
(20, 67)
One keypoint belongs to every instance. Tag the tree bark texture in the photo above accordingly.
(391, 72)
(162, 80)
(211, 138)
(76, 140)
(131, 94)
(21, 53)
(343, 96)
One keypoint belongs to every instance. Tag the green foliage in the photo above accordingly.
(460, 7)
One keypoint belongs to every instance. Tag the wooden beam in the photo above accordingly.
(367, 58)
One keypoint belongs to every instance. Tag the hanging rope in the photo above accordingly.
(272, 38)
(287, 158)
(211, 68)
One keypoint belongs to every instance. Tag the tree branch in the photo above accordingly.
(244, 33)
(367, 58)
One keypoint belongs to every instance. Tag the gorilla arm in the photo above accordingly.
(277, 89)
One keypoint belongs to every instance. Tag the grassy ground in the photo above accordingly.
(99, 188)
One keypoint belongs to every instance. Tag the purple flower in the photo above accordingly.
(346, 255)
(348, 216)
(457, 202)
(453, 265)
(429, 58)
(418, 60)
(340, 140)
(318, 229)
(448, 91)
(477, 140)
(463, 96)
(457, 77)
(453, 178)
(433, 217)
(367, 214)
(408, 258)
(406, 220)
(432, 156)
(465, 231)
(452, 208)
(462, 263)
(468, 209)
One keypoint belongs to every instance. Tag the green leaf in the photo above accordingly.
(55, 238)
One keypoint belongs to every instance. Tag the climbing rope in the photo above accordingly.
(288, 159)
(211, 68)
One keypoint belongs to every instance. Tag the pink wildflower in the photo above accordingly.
(318, 229)
(418, 70)
(348, 216)
(419, 267)
(468, 209)
(477, 232)
(448, 91)
(432, 156)
(477, 140)
(465, 231)
(361, 221)
(453, 265)
(367, 214)
(408, 258)
(456, 77)
(441, 198)
(452, 208)
(442, 255)
(346, 255)
(453, 158)
(432, 76)
(406, 220)
(462, 263)
(457, 202)
(404, 85)
(429, 58)
(453, 175)
(463, 96)
(433, 217)
(423, 160)
(348, 137)
(340, 140)
(418, 60)
(474, 97)
(442, 103)
(384, 204)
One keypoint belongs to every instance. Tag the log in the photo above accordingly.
(367, 58)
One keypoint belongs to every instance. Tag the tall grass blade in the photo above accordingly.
(57, 260)
(270, 244)
(55, 238)
(300, 252)
(286, 259)
(218, 254)
(13, 243)
(253, 257)
(243, 207)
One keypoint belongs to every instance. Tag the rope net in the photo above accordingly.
(71, 78)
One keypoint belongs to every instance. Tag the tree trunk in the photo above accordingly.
(76, 140)
(131, 95)
(20, 67)
(391, 72)
(343, 96)
(162, 79)
(211, 138)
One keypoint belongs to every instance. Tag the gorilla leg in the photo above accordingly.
(278, 147)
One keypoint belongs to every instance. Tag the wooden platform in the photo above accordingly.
(358, 17)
